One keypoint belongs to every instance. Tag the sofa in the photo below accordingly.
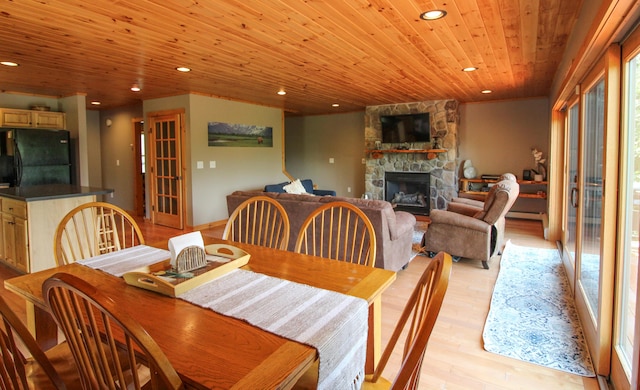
(394, 229)
(306, 183)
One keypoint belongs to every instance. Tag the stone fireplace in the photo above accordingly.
(441, 166)
(408, 191)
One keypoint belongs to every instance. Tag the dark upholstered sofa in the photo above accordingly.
(308, 186)
(394, 229)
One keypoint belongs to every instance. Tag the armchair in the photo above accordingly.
(306, 183)
(471, 207)
(475, 236)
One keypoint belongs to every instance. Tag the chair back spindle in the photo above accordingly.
(259, 220)
(339, 231)
(94, 229)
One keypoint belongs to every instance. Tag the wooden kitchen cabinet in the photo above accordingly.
(15, 118)
(14, 234)
(49, 120)
(10, 117)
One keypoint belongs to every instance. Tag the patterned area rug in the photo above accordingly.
(532, 316)
(418, 233)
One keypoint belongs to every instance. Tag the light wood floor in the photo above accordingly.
(455, 358)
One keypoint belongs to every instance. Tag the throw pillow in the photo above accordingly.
(295, 187)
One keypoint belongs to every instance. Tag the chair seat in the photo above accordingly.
(62, 360)
(380, 384)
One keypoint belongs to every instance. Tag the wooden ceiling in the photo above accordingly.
(354, 53)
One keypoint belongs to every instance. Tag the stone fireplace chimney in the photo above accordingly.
(444, 118)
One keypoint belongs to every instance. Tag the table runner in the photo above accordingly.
(333, 323)
(120, 262)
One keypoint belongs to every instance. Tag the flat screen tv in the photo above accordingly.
(405, 128)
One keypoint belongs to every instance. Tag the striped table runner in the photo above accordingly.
(333, 323)
(120, 262)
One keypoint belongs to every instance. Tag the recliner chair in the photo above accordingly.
(474, 236)
(470, 207)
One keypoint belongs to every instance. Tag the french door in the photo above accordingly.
(166, 169)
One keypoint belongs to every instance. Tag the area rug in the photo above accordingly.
(418, 233)
(532, 315)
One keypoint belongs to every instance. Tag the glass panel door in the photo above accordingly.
(166, 175)
(628, 275)
(591, 197)
(571, 210)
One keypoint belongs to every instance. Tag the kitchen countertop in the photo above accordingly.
(51, 191)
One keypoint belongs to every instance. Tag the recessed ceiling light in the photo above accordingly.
(335, 105)
(135, 88)
(183, 69)
(469, 69)
(8, 63)
(433, 14)
(487, 91)
(96, 103)
(282, 92)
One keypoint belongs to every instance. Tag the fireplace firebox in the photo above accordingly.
(408, 191)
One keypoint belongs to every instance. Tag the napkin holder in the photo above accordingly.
(190, 258)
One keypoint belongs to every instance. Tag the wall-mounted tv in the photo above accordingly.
(405, 128)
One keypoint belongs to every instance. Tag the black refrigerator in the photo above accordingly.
(34, 156)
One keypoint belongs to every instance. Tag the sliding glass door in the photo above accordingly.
(591, 191)
(591, 196)
(626, 332)
(571, 185)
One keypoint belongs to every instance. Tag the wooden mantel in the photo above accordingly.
(431, 153)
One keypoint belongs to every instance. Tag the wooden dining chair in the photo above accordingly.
(339, 231)
(111, 350)
(419, 316)
(259, 220)
(93, 229)
(417, 320)
(54, 369)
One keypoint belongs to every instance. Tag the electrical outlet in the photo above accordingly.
(331, 160)
(212, 164)
(199, 165)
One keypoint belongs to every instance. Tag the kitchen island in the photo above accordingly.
(30, 216)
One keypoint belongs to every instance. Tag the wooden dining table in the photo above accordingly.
(210, 350)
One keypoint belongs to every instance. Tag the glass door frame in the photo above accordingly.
(568, 259)
(630, 49)
(598, 327)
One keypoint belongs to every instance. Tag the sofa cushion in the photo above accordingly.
(295, 187)
(275, 187)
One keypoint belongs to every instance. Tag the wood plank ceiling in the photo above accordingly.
(354, 53)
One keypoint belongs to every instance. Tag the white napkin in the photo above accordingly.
(177, 244)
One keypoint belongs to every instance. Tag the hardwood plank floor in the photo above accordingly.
(455, 358)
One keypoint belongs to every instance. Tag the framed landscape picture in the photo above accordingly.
(230, 134)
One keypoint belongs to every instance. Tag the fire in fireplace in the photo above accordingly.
(408, 191)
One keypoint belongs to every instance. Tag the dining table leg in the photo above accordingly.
(42, 326)
(374, 338)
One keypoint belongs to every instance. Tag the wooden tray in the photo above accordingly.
(222, 259)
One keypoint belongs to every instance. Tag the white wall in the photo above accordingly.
(498, 136)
